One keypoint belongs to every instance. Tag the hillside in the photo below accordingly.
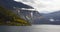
(9, 18)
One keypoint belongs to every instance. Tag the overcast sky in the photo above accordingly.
(43, 6)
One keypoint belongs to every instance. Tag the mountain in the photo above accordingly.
(55, 16)
(10, 4)
(33, 16)
(30, 15)
(14, 7)
(50, 18)
(9, 18)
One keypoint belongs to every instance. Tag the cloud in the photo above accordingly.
(43, 5)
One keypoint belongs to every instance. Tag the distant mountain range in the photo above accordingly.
(55, 16)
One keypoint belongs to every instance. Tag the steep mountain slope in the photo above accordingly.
(7, 17)
(29, 15)
(14, 7)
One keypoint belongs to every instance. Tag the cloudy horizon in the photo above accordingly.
(43, 6)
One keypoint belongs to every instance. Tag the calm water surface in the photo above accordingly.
(33, 28)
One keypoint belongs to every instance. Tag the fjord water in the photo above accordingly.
(33, 28)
